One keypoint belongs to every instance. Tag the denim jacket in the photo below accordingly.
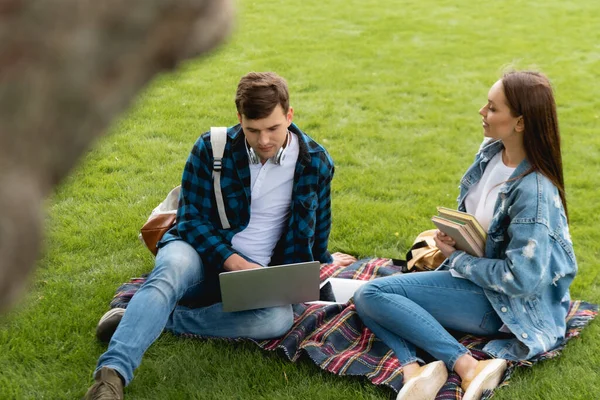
(529, 262)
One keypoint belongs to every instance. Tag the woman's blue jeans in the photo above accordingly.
(178, 273)
(413, 309)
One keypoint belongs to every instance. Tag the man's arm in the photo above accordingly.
(194, 224)
(323, 222)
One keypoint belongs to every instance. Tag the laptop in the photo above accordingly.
(270, 286)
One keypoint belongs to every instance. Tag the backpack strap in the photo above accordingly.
(218, 139)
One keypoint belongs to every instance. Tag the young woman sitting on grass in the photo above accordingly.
(518, 292)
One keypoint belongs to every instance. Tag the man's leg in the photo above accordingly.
(177, 268)
(262, 323)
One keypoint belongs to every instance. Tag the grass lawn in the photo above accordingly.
(392, 89)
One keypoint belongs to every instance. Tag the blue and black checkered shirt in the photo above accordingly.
(309, 223)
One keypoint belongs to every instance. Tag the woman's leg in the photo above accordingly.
(414, 309)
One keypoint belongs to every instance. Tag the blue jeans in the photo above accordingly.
(411, 310)
(178, 273)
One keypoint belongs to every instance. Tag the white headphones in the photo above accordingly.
(277, 159)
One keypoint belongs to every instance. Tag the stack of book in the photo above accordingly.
(464, 228)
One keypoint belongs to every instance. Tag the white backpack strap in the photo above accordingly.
(218, 139)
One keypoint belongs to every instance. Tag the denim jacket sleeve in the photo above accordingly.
(524, 267)
(195, 208)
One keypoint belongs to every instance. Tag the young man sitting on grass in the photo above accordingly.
(275, 182)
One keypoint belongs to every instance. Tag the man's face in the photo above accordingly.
(267, 135)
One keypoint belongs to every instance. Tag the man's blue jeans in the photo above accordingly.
(178, 273)
(411, 310)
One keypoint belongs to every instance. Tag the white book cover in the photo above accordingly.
(338, 290)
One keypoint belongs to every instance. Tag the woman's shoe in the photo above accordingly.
(426, 383)
(487, 377)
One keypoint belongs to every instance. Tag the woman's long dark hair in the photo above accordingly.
(529, 94)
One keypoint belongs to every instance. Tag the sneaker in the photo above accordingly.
(487, 377)
(108, 324)
(426, 384)
(108, 386)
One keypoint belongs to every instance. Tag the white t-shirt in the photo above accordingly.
(271, 187)
(481, 199)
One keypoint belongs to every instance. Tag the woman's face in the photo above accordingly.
(497, 121)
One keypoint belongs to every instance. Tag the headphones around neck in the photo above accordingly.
(277, 159)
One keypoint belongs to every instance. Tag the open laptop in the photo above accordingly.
(270, 286)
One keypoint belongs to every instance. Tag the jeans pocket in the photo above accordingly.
(490, 322)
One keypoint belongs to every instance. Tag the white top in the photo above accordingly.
(481, 199)
(271, 187)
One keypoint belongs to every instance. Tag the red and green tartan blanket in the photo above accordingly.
(334, 337)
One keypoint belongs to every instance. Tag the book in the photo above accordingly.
(463, 216)
(337, 290)
(459, 233)
(464, 228)
(472, 233)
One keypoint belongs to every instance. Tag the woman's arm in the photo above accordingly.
(526, 265)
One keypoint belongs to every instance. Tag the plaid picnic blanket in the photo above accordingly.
(334, 337)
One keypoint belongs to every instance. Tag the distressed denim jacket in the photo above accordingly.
(529, 262)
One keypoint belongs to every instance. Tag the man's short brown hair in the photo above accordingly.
(258, 93)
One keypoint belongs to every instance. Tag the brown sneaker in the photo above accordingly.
(487, 376)
(426, 383)
(108, 324)
(108, 386)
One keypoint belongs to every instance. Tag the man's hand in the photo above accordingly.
(342, 259)
(236, 262)
(445, 243)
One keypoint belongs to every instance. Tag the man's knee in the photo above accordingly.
(178, 265)
(272, 322)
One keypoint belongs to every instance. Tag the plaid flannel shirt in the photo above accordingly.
(306, 234)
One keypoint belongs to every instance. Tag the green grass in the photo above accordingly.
(392, 89)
